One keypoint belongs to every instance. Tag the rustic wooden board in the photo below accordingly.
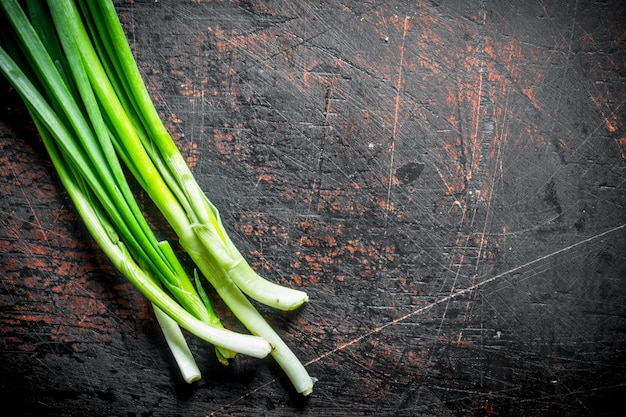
(445, 179)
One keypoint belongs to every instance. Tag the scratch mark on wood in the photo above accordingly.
(557, 108)
(326, 128)
(464, 291)
(396, 116)
(471, 160)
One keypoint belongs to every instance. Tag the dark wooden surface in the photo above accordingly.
(446, 179)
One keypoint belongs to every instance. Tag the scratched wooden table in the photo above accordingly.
(446, 180)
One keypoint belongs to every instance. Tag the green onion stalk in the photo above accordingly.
(92, 109)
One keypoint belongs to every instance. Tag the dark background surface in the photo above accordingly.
(446, 179)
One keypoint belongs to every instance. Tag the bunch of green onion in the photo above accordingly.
(72, 65)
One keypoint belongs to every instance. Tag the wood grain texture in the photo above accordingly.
(446, 180)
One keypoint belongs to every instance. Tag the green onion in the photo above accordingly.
(72, 65)
(178, 346)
